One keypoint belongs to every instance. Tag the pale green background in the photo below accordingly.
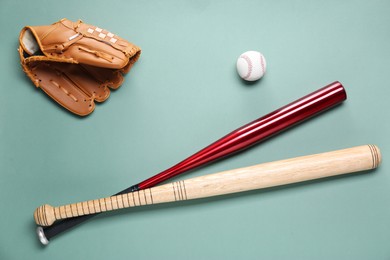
(182, 95)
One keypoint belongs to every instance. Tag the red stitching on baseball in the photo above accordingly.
(250, 66)
(262, 63)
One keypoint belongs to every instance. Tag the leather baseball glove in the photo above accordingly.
(75, 63)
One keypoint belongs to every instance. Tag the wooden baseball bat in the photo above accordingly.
(260, 176)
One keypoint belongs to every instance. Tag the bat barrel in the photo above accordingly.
(283, 172)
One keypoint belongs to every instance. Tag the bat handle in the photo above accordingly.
(46, 215)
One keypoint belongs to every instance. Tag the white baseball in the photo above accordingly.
(251, 65)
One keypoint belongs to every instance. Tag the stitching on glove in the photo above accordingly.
(60, 48)
(98, 54)
(64, 90)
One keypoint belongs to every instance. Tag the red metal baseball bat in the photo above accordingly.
(238, 140)
(256, 131)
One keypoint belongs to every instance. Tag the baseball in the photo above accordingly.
(251, 65)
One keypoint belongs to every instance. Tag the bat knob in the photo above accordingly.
(41, 236)
(44, 215)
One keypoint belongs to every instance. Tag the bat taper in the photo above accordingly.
(260, 176)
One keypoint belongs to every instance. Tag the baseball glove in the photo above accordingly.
(75, 63)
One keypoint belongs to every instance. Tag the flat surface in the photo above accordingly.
(183, 94)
